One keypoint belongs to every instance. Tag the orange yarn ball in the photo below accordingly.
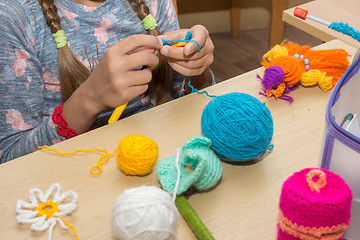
(137, 155)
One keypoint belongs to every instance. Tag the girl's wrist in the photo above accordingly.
(80, 111)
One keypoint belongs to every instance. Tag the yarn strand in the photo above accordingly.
(178, 173)
(104, 158)
(195, 90)
(72, 227)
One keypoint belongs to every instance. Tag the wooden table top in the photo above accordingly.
(243, 206)
(346, 11)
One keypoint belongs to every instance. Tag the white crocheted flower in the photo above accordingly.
(45, 210)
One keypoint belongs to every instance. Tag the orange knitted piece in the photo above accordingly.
(334, 62)
(311, 233)
(277, 92)
(320, 183)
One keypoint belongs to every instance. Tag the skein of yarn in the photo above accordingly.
(144, 213)
(137, 155)
(239, 126)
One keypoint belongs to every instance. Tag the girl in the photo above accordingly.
(65, 64)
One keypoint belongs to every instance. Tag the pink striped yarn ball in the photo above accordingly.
(314, 204)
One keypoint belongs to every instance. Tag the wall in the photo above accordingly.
(215, 14)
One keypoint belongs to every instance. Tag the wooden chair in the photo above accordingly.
(175, 5)
(276, 23)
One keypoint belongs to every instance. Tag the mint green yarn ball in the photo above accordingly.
(239, 126)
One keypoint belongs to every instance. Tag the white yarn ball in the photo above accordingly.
(144, 213)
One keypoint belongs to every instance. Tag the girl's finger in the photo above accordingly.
(187, 71)
(200, 35)
(140, 59)
(134, 42)
(138, 77)
(178, 53)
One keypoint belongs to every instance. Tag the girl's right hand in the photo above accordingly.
(114, 81)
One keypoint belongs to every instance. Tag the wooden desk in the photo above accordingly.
(243, 206)
(346, 11)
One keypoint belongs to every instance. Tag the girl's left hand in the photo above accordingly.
(188, 60)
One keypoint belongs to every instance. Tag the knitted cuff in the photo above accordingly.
(62, 126)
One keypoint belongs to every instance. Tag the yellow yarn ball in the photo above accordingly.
(137, 155)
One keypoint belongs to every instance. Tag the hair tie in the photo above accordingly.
(60, 38)
(149, 22)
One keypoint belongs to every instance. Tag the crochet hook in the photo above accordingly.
(117, 113)
(119, 110)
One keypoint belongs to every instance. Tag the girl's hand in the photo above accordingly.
(117, 78)
(114, 81)
(188, 60)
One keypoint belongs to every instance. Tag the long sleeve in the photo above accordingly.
(29, 78)
(24, 123)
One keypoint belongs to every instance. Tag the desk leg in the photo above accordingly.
(235, 17)
(277, 24)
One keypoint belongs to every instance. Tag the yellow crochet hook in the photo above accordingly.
(117, 113)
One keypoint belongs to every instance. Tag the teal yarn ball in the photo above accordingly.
(239, 126)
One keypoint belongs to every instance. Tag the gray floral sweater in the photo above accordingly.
(29, 80)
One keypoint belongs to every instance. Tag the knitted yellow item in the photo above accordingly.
(276, 52)
(137, 155)
(315, 76)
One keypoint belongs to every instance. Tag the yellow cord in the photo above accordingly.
(104, 158)
(72, 227)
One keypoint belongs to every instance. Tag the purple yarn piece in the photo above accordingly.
(287, 98)
(283, 97)
(290, 89)
(273, 77)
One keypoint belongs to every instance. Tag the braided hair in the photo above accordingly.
(73, 73)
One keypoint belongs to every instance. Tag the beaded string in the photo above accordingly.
(306, 61)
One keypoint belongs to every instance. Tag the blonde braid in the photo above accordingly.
(72, 73)
(161, 83)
